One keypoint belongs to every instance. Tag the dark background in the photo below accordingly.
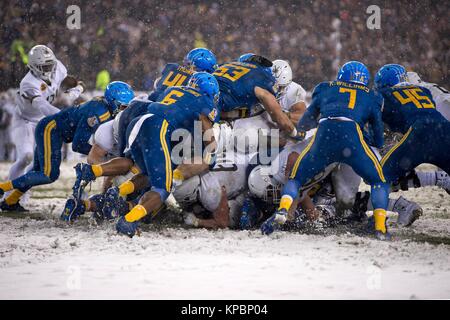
(133, 39)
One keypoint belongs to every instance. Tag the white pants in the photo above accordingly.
(22, 136)
(346, 184)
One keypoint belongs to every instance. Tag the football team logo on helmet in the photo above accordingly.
(389, 75)
(354, 71)
(201, 59)
(118, 94)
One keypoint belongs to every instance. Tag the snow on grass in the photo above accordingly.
(41, 257)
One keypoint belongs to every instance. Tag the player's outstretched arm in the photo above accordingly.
(296, 112)
(210, 141)
(309, 119)
(220, 219)
(274, 109)
(45, 107)
(188, 170)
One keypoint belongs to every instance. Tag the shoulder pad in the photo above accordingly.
(321, 86)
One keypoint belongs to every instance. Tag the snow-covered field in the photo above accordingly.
(42, 258)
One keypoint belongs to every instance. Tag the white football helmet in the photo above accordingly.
(283, 75)
(187, 192)
(263, 186)
(42, 62)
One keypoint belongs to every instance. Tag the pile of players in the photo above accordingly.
(234, 145)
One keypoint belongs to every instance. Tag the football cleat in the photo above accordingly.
(84, 175)
(383, 236)
(72, 209)
(114, 205)
(13, 207)
(98, 200)
(127, 228)
(408, 211)
(249, 216)
(274, 222)
(84, 172)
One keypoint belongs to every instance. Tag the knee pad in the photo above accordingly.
(162, 193)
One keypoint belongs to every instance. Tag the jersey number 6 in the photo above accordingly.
(171, 97)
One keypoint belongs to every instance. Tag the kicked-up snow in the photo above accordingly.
(44, 258)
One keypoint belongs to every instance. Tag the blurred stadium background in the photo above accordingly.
(131, 40)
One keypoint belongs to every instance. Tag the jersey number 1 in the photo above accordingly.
(352, 101)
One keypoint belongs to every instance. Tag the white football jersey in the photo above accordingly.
(32, 87)
(292, 94)
(104, 138)
(441, 96)
(230, 172)
(107, 137)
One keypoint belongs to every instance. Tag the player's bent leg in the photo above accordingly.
(114, 167)
(158, 166)
(365, 163)
(47, 162)
(24, 146)
(404, 156)
(150, 202)
(307, 165)
(23, 160)
(345, 184)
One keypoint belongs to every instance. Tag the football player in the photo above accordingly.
(344, 106)
(216, 193)
(410, 110)
(441, 96)
(175, 75)
(38, 89)
(246, 84)
(178, 109)
(73, 125)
